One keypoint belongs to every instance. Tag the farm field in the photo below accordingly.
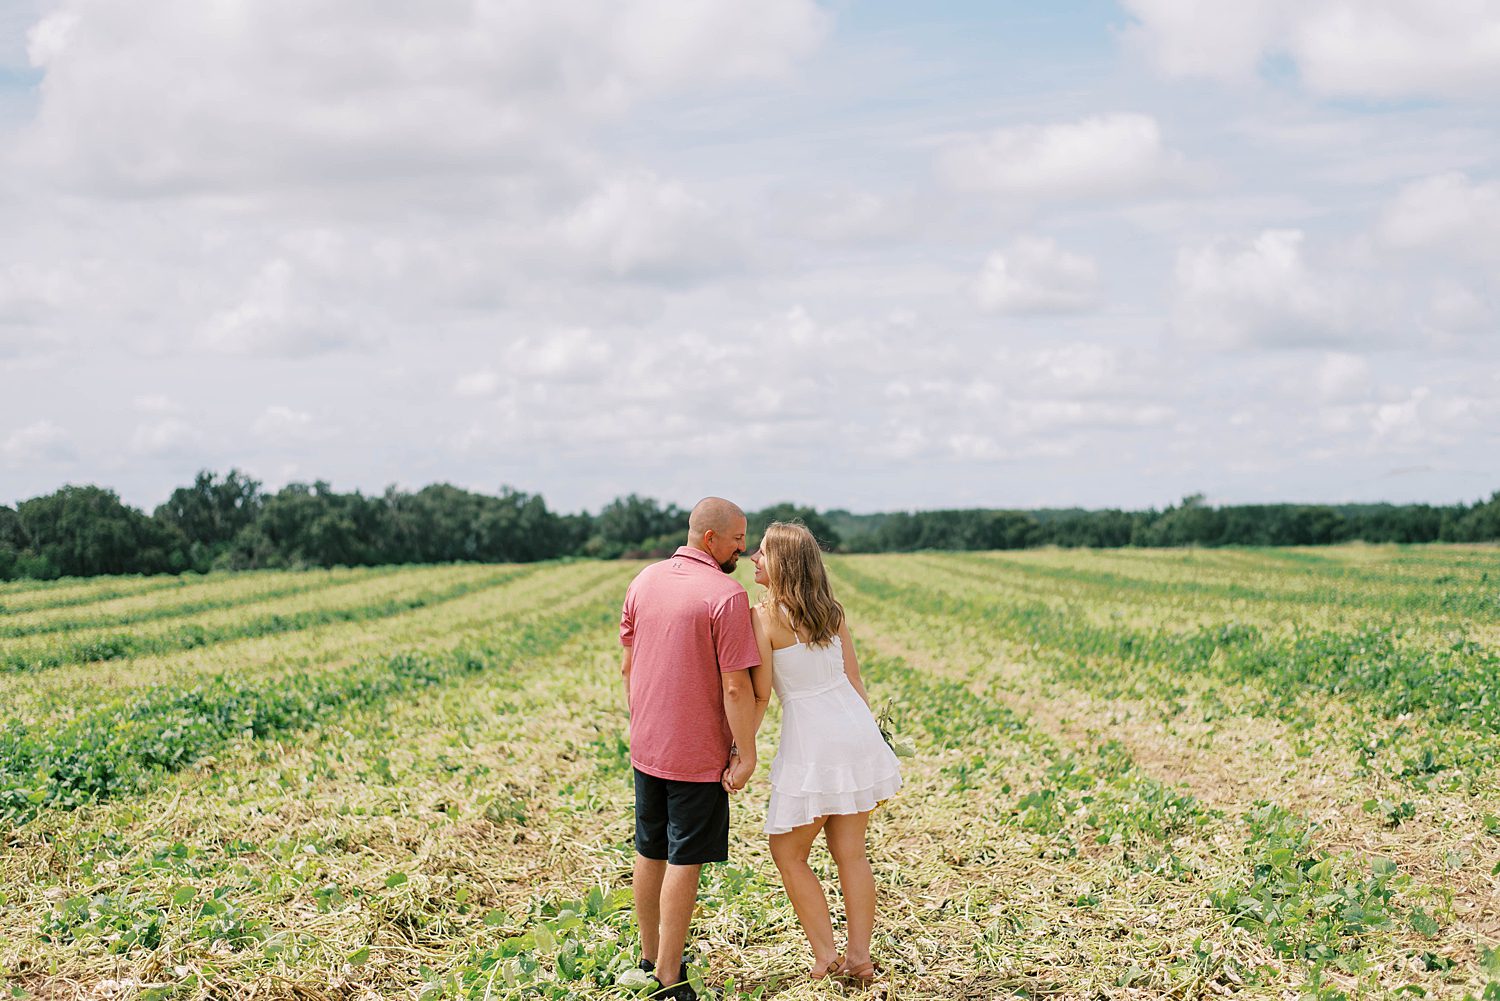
(1139, 774)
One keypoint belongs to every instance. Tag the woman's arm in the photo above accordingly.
(760, 676)
(851, 662)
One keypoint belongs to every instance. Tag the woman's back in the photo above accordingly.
(803, 670)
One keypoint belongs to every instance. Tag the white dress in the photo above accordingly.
(832, 759)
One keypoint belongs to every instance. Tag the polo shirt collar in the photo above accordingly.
(696, 554)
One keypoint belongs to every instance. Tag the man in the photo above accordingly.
(688, 647)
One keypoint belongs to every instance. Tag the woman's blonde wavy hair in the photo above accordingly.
(798, 592)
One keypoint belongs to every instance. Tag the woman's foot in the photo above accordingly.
(822, 969)
(862, 971)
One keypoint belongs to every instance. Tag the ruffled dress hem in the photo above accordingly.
(788, 810)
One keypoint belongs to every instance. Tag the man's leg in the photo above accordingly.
(650, 859)
(647, 886)
(679, 895)
(697, 833)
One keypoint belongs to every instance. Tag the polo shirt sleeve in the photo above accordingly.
(734, 636)
(627, 619)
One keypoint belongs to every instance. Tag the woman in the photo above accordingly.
(832, 766)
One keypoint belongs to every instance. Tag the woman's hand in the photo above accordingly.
(738, 772)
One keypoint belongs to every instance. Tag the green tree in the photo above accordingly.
(1481, 523)
(819, 526)
(211, 512)
(81, 531)
(637, 526)
(516, 527)
(12, 543)
(1192, 523)
(305, 525)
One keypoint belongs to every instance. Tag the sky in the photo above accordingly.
(857, 254)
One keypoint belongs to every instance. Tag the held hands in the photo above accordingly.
(737, 773)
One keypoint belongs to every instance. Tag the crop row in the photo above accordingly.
(1113, 596)
(352, 590)
(120, 645)
(262, 890)
(1330, 913)
(121, 748)
(225, 594)
(467, 836)
(37, 699)
(32, 596)
(1370, 593)
(1324, 914)
(1454, 684)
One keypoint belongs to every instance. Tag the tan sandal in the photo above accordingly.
(831, 970)
(868, 975)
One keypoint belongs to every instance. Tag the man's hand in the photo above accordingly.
(738, 772)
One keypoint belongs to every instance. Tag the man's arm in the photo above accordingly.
(627, 638)
(739, 706)
(625, 672)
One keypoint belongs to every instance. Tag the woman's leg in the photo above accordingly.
(846, 841)
(790, 853)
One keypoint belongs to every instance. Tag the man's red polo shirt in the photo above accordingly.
(686, 622)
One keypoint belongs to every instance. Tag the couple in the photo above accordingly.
(699, 667)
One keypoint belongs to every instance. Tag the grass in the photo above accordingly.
(441, 808)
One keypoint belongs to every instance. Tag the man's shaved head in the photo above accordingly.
(717, 527)
(714, 513)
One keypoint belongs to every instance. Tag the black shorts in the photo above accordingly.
(685, 823)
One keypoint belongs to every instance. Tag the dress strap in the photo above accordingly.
(786, 616)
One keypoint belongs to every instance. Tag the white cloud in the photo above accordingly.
(278, 317)
(638, 225)
(853, 216)
(567, 228)
(1393, 48)
(576, 355)
(1035, 275)
(1037, 416)
(42, 441)
(1341, 48)
(1342, 377)
(1454, 308)
(280, 423)
(29, 294)
(1082, 370)
(16, 19)
(1407, 420)
(1401, 420)
(1445, 212)
(49, 35)
(1204, 38)
(1265, 293)
(481, 383)
(1104, 156)
(168, 437)
(155, 403)
(1022, 429)
(176, 96)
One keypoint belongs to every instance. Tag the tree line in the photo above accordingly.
(1190, 523)
(229, 523)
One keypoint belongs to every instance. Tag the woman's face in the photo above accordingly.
(759, 559)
